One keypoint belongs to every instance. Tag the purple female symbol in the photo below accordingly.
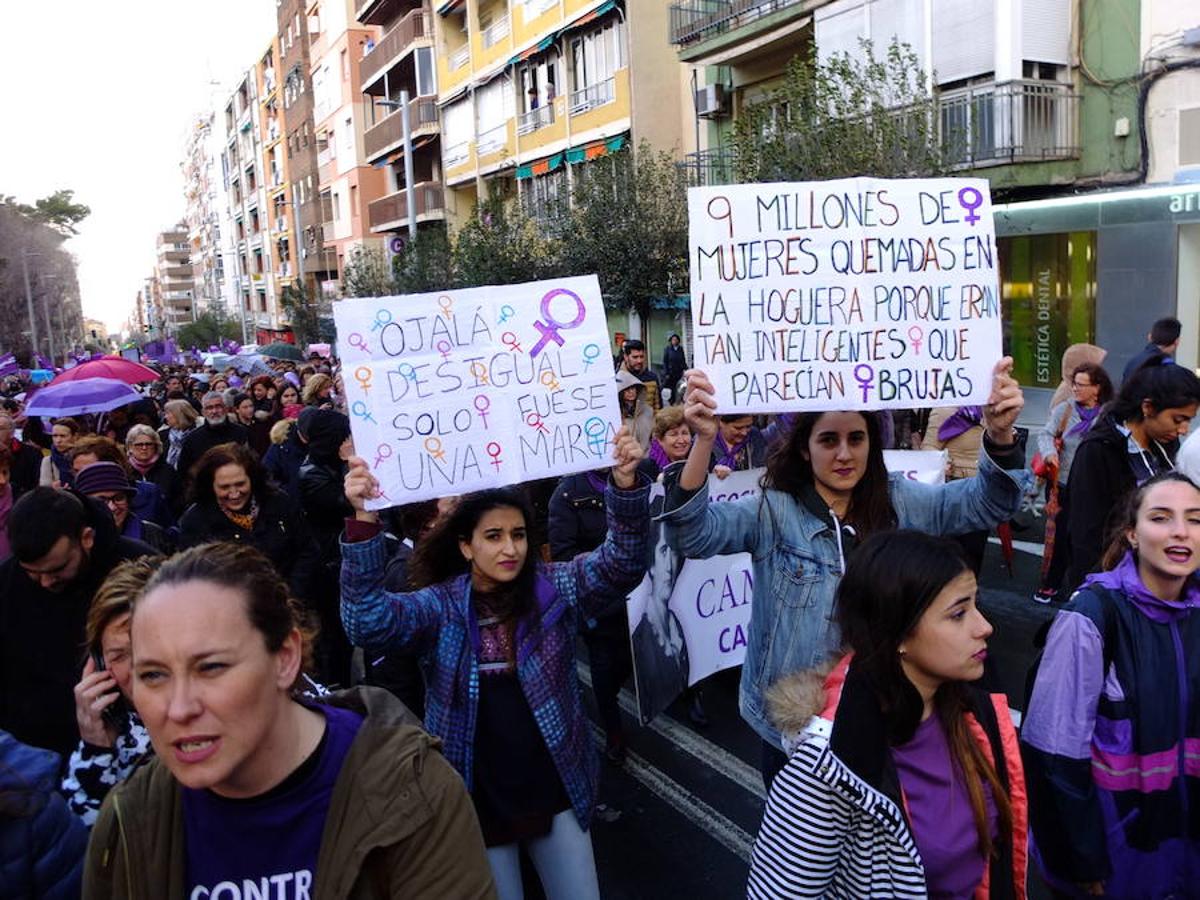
(382, 452)
(550, 328)
(916, 335)
(444, 349)
(493, 450)
(482, 405)
(970, 199)
(357, 341)
(864, 374)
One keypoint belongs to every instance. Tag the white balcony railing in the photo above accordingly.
(495, 33)
(593, 95)
(491, 140)
(535, 119)
(460, 58)
(1009, 121)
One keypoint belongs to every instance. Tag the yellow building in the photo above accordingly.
(531, 89)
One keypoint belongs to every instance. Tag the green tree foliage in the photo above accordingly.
(58, 211)
(502, 244)
(842, 117)
(304, 312)
(628, 224)
(365, 274)
(209, 328)
(426, 263)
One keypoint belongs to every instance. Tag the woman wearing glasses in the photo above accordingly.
(145, 451)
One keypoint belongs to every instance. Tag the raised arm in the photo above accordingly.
(374, 618)
(616, 567)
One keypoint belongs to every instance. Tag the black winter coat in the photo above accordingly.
(1100, 479)
(25, 470)
(168, 481)
(41, 640)
(202, 439)
(280, 533)
(323, 499)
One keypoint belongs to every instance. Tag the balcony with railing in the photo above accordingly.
(388, 133)
(536, 118)
(1008, 122)
(491, 141)
(707, 167)
(496, 32)
(394, 45)
(391, 212)
(325, 165)
(456, 154)
(697, 20)
(460, 58)
(593, 95)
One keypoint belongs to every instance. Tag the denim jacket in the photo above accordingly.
(798, 560)
(439, 624)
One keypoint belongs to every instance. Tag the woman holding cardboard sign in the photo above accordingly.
(825, 489)
(495, 632)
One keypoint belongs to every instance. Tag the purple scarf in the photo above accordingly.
(728, 456)
(1086, 418)
(963, 420)
(598, 481)
(658, 454)
(1125, 578)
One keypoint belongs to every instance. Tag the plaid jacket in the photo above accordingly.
(438, 623)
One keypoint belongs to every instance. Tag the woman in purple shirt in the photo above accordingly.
(905, 780)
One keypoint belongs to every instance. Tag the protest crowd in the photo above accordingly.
(225, 671)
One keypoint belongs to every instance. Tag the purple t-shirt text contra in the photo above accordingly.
(266, 847)
(939, 809)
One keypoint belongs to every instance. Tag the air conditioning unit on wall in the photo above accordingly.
(712, 102)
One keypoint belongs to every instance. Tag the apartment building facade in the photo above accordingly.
(529, 90)
(205, 205)
(174, 287)
(346, 183)
(401, 64)
(315, 266)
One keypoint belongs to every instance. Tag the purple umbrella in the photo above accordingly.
(88, 395)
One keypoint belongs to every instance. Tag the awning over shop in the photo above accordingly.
(591, 150)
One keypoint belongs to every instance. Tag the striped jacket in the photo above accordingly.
(832, 830)
(1111, 739)
(438, 623)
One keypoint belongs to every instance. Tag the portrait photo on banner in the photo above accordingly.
(455, 391)
(859, 293)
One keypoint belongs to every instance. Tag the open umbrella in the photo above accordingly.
(111, 367)
(220, 361)
(282, 350)
(90, 395)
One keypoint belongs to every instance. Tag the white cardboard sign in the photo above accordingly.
(862, 293)
(460, 390)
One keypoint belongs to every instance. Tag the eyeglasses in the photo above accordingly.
(112, 499)
(143, 445)
(1076, 386)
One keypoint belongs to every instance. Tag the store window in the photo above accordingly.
(1048, 286)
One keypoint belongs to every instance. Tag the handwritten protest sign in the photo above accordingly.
(461, 390)
(862, 293)
(691, 618)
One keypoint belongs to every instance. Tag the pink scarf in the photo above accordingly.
(146, 466)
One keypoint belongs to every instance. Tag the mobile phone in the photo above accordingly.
(116, 712)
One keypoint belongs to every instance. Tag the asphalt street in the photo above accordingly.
(679, 819)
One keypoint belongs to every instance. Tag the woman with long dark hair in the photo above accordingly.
(904, 781)
(495, 631)
(1113, 722)
(825, 489)
(1136, 438)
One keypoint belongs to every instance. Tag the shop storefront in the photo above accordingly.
(1097, 268)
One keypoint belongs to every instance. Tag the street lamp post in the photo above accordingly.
(406, 131)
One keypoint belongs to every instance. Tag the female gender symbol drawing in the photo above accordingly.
(357, 341)
(510, 341)
(360, 409)
(534, 421)
(590, 354)
(493, 450)
(363, 376)
(482, 405)
(433, 446)
(551, 326)
(382, 452)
